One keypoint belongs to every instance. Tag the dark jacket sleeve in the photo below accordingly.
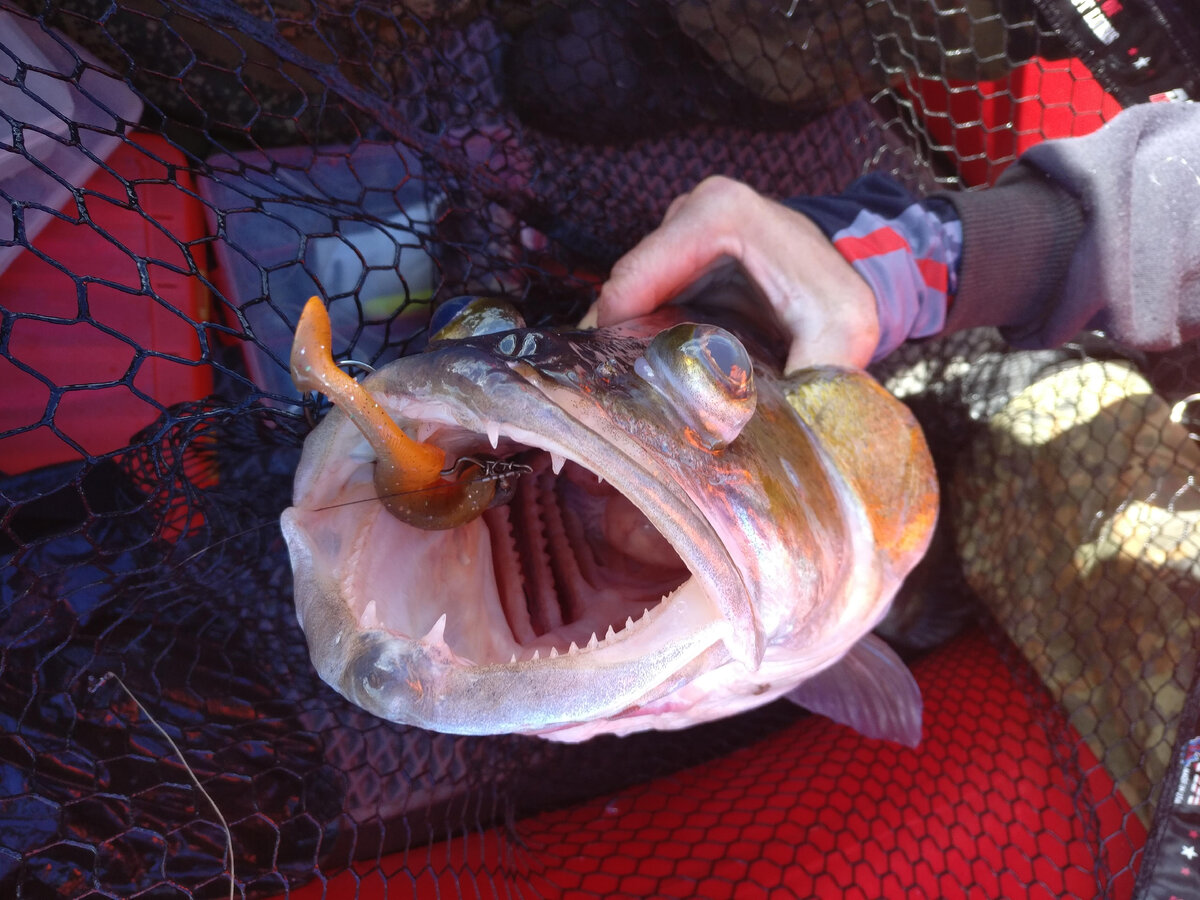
(905, 249)
(1100, 231)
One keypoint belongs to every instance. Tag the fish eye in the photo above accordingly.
(707, 374)
(725, 357)
(468, 316)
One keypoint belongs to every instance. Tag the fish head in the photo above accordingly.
(672, 536)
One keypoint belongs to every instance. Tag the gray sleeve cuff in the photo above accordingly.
(1018, 239)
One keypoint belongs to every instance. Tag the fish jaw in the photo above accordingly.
(343, 546)
(782, 575)
(423, 682)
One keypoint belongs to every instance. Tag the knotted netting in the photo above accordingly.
(182, 176)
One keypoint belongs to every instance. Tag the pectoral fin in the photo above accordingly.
(870, 690)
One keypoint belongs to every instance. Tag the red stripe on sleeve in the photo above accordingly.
(885, 240)
(934, 274)
(878, 242)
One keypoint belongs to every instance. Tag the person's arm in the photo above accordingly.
(1101, 231)
(819, 298)
(851, 276)
(905, 248)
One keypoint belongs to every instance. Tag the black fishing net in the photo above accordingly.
(183, 175)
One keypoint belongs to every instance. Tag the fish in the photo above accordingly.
(565, 532)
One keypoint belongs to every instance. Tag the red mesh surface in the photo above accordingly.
(1002, 799)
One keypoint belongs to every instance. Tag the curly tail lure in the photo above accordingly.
(412, 478)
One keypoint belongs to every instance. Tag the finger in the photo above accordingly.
(838, 328)
(676, 205)
(699, 228)
(589, 319)
(670, 258)
(657, 269)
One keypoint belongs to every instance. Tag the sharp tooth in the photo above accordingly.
(437, 634)
(629, 621)
(611, 634)
(599, 479)
(572, 649)
(592, 644)
(513, 660)
(537, 654)
(493, 434)
(645, 612)
(554, 653)
(556, 462)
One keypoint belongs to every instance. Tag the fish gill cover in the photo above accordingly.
(183, 175)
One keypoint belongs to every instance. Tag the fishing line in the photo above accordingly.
(488, 470)
(94, 685)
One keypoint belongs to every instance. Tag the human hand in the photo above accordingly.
(828, 308)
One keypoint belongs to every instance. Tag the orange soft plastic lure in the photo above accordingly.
(411, 477)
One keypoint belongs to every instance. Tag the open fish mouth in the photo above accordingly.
(565, 563)
(575, 561)
(565, 573)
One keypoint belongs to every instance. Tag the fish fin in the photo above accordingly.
(870, 690)
(878, 447)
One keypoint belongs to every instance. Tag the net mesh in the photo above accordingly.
(183, 175)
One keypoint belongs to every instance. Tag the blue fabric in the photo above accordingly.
(908, 251)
